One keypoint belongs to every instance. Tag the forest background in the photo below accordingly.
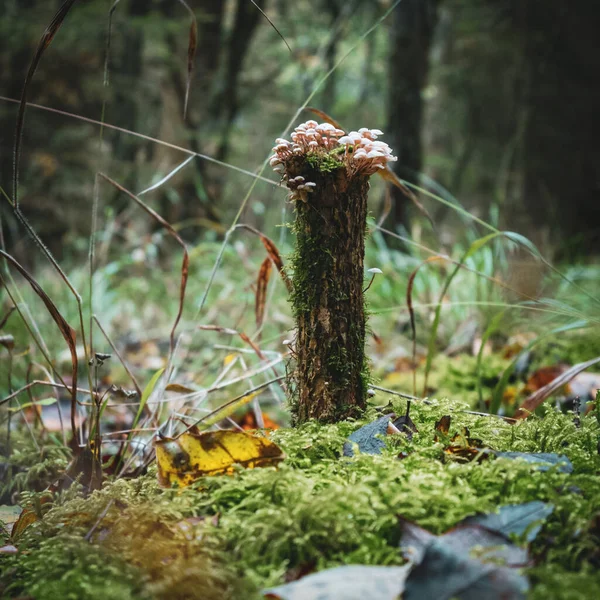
(482, 289)
(489, 105)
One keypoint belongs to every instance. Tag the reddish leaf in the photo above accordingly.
(273, 253)
(262, 283)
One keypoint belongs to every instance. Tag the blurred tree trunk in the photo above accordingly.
(561, 154)
(199, 122)
(412, 27)
(247, 18)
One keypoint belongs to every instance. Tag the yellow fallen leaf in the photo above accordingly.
(192, 455)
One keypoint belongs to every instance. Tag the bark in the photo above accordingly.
(561, 190)
(328, 300)
(412, 28)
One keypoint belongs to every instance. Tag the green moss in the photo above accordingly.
(323, 510)
(325, 163)
(70, 569)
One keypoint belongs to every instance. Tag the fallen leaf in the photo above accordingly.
(465, 448)
(405, 425)
(26, 518)
(446, 566)
(516, 519)
(248, 421)
(442, 427)
(352, 582)
(544, 461)
(366, 438)
(192, 455)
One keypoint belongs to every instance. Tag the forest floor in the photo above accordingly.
(448, 501)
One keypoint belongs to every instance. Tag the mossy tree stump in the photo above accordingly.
(328, 173)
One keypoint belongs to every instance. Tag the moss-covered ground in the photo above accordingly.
(231, 536)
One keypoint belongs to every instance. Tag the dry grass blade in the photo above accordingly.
(66, 330)
(262, 12)
(109, 40)
(387, 207)
(43, 44)
(142, 136)
(192, 44)
(411, 312)
(537, 398)
(185, 261)
(272, 251)
(262, 283)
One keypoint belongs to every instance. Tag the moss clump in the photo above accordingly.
(325, 163)
(320, 510)
(70, 569)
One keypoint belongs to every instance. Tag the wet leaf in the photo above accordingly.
(366, 438)
(352, 582)
(544, 461)
(515, 519)
(462, 563)
(405, 425)
(192, 455)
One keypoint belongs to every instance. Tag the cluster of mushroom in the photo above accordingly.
(363, 153)
(359, 151)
